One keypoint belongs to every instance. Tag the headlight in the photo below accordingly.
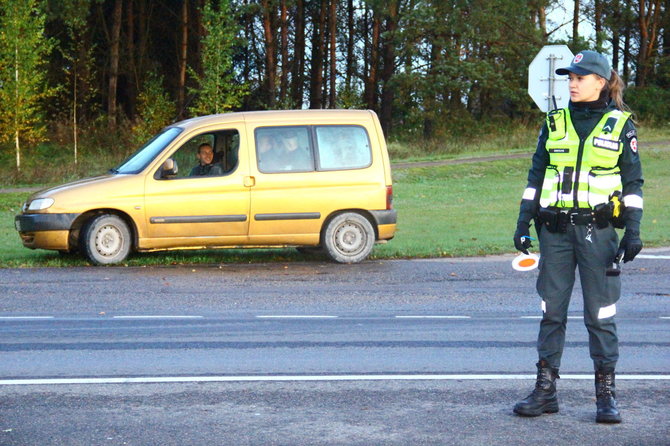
(40, 204)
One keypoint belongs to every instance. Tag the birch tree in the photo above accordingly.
(23, 53)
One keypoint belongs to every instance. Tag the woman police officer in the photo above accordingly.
(586, 158)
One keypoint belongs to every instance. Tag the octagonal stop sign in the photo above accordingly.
(544, 83)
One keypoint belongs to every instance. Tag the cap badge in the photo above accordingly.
(578, 58)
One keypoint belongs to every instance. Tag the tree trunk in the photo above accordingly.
(298, 77)
(350, 44)
(114, 64)
(283, 89)
(318, 50)
(371, 81)
(389, 67)
(270, 52)
(648, 21)
(183, 55)
(133, 81)
(575, 23)
(542, 21)
(332, 20)
(598, 19)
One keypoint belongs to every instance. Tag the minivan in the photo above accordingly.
(313, 179)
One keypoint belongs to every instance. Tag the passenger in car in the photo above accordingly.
(206, 166)
(295, 156)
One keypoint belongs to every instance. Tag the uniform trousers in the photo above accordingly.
(592, 250)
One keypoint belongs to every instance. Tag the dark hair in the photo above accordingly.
(614, 88)
(203, 145)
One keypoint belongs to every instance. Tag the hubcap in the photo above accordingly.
(108, 241)
(350, 238)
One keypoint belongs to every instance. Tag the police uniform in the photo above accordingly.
(585, 154)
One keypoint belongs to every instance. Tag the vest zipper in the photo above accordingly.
(578, 169)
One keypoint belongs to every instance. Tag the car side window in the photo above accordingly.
(342, 147)
(284, 149)
(207, 155)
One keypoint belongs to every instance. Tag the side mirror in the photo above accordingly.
(169, 168)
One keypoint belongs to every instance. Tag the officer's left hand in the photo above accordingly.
(631, 244)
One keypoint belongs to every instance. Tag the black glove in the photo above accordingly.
(522, 237)
(631, 244)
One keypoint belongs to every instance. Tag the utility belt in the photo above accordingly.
(557, 219)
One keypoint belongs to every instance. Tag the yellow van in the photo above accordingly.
(302, 178)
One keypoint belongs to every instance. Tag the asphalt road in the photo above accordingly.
(393, 352)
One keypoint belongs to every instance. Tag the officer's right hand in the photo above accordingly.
(630, 244)
(522, 237)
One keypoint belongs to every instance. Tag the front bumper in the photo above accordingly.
(43, 222)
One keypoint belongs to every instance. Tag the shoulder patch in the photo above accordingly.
(633, 145)
(631, 133)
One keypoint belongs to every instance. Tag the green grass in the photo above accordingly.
(459, 210)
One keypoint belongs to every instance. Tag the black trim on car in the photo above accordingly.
(386, 217)
(43, 222)
(199, 219)
(289, 216)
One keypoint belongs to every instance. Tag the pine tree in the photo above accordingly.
(23, 53)
(218, 90)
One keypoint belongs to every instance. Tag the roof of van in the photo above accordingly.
(275, 115)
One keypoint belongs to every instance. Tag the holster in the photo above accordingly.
(603, 214)
(551, 219)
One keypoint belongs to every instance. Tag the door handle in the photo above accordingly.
(249, 181)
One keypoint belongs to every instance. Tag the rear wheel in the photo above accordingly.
(105, 239)
(348, 238)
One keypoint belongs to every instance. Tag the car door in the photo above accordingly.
(186, 210)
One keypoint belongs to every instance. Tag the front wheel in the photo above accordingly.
(105, 239)
(348, 238)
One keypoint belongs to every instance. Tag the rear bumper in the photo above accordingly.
(386, 217)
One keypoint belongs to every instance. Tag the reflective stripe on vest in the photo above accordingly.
(599, 174)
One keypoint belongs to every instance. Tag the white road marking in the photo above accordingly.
(649, 256)
(433, 317)
(540, 317)
(157, 317)
(295, 316)
(302, 378)
(664, 317)
(10, 318)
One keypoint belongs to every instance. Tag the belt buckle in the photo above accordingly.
(572, 217)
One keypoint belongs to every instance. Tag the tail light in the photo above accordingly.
(389, 197)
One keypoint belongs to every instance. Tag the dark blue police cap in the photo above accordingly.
(588, 62)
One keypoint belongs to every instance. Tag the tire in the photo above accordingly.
(348, 238)
(105, 239)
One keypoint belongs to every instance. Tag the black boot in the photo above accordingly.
(543, 399)
(605, 397)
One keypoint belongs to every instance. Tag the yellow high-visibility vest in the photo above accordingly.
(582, 173)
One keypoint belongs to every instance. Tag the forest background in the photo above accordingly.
(83, 83)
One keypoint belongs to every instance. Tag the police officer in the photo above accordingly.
(586, 157)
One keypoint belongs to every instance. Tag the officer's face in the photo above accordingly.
(585, 88)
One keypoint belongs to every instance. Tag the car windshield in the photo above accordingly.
(136, 162)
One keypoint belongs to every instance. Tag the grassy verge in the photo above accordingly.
(451, 210)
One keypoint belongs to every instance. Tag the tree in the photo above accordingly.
(114, 63)
(78, 56)
(155, 109)
(23, 55)
(218, 89)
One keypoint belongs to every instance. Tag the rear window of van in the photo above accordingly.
(309, 148)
